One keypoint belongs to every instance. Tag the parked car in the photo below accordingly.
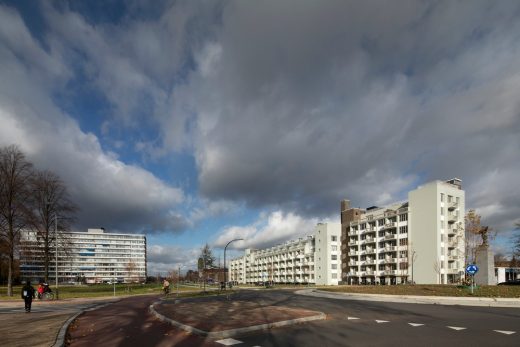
(510, 283)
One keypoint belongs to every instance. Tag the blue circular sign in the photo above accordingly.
(472, 269)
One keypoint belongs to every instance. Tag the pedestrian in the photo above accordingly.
(28, 295)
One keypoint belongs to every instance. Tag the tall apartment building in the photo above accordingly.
(419, 240)
(94, 255)
(314, 259)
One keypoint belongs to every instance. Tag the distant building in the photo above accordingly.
(421, 239)
(93, 257)
(506, 271)
(314, 259)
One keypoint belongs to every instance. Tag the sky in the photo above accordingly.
(198, 122)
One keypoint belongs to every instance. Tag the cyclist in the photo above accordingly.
(40, 290)
(166, 287)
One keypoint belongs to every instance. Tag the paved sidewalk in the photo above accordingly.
(41, 326)
(416, 299)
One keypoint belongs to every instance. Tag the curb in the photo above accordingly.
(60, 338)
(416, 299)
(233, 332)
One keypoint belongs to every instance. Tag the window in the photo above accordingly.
(334, 248)
(442, 197)
(403, 229)
(334, 257)
(403, 217)
(334, 266)
(363, 225)
(442, 211)
(334, 276)
(381, 222)
(450, 198)
(403, 242)
(334, 238)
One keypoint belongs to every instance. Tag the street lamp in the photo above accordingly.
(225, 272)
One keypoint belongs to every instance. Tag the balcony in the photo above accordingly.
(370, 251)
(352, 243)
(389, 272)
(368, 240)
(389, 226)
(452, 206)
(452, 218)
(370, 261)
(389, 249)
(390, 236)
(453, 257)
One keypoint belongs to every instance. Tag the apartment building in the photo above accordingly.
(419, 240)
(94, 256)
(315, 259)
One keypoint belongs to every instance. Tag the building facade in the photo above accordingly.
(92, 257)
(419, 240)
(314, 259)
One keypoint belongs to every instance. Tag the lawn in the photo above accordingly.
(98, 290)
(432, 290)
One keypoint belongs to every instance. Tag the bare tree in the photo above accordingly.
(130, 268)
(15, 202)
(476, 235)
(53, 210)
(437, 268)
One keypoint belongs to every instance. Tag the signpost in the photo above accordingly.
(472, 269)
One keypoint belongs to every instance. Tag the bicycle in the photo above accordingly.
(46, 296)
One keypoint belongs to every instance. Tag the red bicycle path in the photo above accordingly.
(128, 322)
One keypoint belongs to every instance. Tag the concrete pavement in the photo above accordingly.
(416, 299)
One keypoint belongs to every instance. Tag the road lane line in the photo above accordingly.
(507, 332)
(381, 321)
(415, 324)
(456, 328)
(229, 342)
(351, 318)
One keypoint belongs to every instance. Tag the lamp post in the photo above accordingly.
(225, 272)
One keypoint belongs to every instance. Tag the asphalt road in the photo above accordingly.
(349, 323)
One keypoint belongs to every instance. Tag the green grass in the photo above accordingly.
(432, 290)
(97, 290)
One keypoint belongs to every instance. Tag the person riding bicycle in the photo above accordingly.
(40, 290)
(46, 288)
(166, 287)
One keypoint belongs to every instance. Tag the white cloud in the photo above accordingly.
(267, 231)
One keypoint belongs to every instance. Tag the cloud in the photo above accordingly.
(165, 258)
(110, 193)
(267, 231)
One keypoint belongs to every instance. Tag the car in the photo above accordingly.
(510, 283)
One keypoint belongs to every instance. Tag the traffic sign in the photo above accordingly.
(472, 269)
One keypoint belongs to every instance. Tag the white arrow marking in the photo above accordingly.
(456, 328)
(351, 318)
(505, 332)
(415, 324)
(381, 321)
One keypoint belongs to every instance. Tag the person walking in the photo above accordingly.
(28, 295)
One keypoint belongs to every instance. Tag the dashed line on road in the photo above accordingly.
(456, 328)
(228, 342)
(507, 332)
(352, 318)
(415, 324)
(381, 321)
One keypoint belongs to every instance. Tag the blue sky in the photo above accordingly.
(199, 122)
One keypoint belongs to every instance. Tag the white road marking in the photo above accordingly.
(381, 321)
(351, 318)
(416, 324)
(505, 332)
(456, 328)
(228, 342)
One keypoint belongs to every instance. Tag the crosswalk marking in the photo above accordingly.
(416, 324)
(381, 321)
(456, 328)
(228, 342)
(507, 332)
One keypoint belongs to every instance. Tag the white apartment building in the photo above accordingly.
(94, 255)
(419, 240)
(315, 259)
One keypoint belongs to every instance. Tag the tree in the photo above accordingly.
(15, 202)
(476, 235)
(53, 209)
(130, 268)
(437, 268)
(207, 257)
(516, 241)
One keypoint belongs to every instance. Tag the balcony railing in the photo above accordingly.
(452, 205)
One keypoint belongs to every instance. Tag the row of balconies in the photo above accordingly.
(374, 273)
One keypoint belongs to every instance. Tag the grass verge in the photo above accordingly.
(432, 290)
